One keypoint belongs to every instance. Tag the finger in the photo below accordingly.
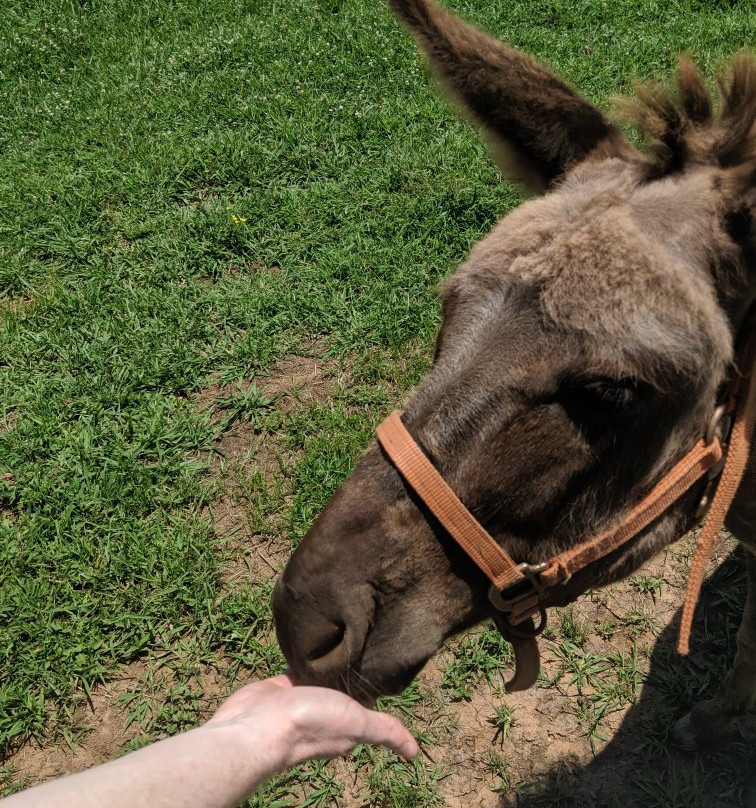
(388, 731)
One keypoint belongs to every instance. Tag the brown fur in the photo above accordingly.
(583, 344)
(684, 127)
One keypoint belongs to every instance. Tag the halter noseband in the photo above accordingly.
(517, 590)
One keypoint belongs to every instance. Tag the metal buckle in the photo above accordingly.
(530, 585)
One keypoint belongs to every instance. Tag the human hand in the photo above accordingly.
(310, 722)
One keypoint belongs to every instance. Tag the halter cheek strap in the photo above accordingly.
(517, 590)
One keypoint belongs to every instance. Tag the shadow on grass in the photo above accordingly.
(641, 767)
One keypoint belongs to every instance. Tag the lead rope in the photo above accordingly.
(729, 481)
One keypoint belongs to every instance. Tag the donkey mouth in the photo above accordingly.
(367, 687)
(372, 673)
(349, 652)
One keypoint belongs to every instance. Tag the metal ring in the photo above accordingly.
(716, 420)
(526, 634)
(497, 601)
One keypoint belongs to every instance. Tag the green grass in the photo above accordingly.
(479, 655)
(191, 191)
(503, 720)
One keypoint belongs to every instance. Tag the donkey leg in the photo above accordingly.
(732, 712)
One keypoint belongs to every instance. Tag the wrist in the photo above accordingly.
(266, 741)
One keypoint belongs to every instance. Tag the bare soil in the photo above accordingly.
(294, 383)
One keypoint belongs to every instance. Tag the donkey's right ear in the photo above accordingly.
(539, 127)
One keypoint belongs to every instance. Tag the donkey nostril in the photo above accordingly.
(328, 644)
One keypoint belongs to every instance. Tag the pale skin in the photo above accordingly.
(261, 729)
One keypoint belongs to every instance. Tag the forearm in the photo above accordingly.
(208, 767)
(262, 728)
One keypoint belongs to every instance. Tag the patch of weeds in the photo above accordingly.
(406, 704)
(262, 495)
(176, 709)
(328, 439)
(647, 585)
(579, 665)
(705, 781)
(280, 791)
(572, 628)
(322, 786)
(503, 720)
(393, 371)
(614, 691)
(639, 621)
(422, 711)
(245, 631)
(680, 683)
(167, 699)
(605, 683)
(309, 785)
(482, 654)
(499, 767)
(244, 404)
(555, 792)
(628, 676)
(395, 783)
(607, 628)
(550, 632)
(134, 743)
(8, 782)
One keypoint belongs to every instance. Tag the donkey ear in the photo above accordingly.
(540, 127)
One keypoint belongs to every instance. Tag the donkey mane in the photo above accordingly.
(685, 126)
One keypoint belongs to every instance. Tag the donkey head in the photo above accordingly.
(582, 346)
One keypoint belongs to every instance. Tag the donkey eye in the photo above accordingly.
(597, 399)
(604, 393)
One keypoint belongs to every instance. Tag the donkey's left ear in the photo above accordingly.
(539, 127)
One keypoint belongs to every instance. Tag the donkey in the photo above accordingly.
(583, 349)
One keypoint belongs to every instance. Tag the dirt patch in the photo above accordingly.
(99, 736)
(301, 380)
(10, 421)
(249, 461)
(293, 384)
(558, 731)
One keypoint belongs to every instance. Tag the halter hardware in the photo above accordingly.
(719, 428)
(719, 424)
(520, 593)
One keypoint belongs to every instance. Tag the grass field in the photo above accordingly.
(221, 228)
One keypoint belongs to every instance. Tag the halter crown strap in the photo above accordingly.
(697, 462)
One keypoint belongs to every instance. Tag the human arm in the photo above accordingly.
(263, 728)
